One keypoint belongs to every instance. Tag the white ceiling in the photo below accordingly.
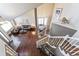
(12, 10)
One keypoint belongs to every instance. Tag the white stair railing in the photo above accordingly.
(69, 45)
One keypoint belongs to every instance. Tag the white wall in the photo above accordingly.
(19, 11)
(44, 10)
(27, 16)
(71, 12)
(12, 10)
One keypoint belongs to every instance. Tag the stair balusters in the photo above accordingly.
(66, 44)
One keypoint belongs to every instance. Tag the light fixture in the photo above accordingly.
(33, 32)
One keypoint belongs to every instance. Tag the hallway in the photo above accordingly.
(28, 45)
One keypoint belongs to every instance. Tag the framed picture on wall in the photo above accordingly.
(58, 12)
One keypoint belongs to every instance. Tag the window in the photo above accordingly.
(6, 26)
(42, 20)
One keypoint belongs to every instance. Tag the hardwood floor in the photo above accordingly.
(28, 45)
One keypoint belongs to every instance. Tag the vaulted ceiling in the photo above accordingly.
(12, 10)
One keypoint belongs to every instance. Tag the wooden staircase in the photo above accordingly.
(68, 46)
